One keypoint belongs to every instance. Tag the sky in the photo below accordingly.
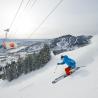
(70, 17)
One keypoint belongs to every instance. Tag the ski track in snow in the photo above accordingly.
(82, 84)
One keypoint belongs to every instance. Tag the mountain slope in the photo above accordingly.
(82, 84)
(68, 43)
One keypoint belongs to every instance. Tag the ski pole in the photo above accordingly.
(55, 68)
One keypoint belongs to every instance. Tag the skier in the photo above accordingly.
(70, 62)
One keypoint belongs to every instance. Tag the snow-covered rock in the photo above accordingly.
(69, 42)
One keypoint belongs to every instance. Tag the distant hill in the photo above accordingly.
(57, 45)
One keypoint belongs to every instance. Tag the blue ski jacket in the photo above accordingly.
(70, 62)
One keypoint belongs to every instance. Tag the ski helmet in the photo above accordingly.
(62, 56)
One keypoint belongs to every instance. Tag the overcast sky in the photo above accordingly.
(71, 17)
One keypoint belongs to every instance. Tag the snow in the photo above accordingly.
(17, 49)
(81, 84)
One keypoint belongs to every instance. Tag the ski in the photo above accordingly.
(63, 76)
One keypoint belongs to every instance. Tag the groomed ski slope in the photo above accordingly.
(82, 84)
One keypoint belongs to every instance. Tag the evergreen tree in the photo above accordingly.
(20, 65)
(31, 62)
(44, 55)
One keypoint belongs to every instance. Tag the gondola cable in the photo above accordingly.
(43, 21)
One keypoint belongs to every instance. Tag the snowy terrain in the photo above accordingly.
(68, 43)
(81, 84)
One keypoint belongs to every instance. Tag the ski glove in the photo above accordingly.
(58, 63)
